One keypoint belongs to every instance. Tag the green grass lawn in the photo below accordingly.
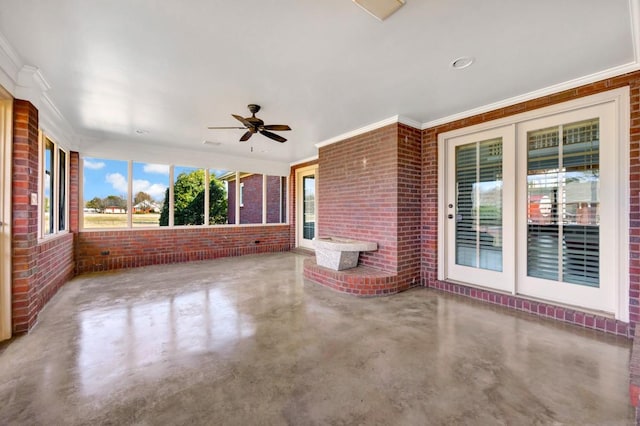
(119, 220)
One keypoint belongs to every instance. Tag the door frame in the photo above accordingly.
(300, 174)
(6, 117)
(621, 98)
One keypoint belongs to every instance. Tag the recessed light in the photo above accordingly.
(211, 143)
(141, 131)
(462, 62)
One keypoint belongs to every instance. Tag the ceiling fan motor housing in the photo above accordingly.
(253, 108)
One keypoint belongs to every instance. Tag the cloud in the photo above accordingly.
(119, 183)
(156, 190)
(156, 168)
(92, 164)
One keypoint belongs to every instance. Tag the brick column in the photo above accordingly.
(24, 215)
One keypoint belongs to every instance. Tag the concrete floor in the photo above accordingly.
(247, 341)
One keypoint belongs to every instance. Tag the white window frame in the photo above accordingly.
(621, 99)
(55, 191)
(237, 187)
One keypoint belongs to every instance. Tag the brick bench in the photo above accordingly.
(360, 281)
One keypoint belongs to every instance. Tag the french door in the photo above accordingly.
(480, 233)
(533, 208)
(568, 216)
(306, 184)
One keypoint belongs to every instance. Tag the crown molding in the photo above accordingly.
(409, 122)
(368, 128)
(556, 88)
(10, 65)
(304, 160)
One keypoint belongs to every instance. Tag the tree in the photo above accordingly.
(140, 197)
(188, 192)
(115, 201)
(96, 204)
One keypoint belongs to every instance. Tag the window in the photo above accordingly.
(122, 194)
(54, 187)
(217, 198)
(188, 196)
(150, 191)
(105, 189)
(536, 204)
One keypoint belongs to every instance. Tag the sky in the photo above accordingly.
(109, 177)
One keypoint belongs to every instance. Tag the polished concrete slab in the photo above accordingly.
(246, 341)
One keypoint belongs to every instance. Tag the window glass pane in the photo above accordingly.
(105, 188)
(251, 205)
(218, 214)
(62, 190)
(188, 196)
(542, 197)
(276, 199)
(479, 205)
(150, 189)
(581, 203)
(49, 180)
(563, 203)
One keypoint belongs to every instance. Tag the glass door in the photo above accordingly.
(479, 215)
(306, 229)
(568, 195)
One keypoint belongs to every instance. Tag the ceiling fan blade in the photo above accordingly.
(242, 120)
(246, 136)
(273, 136)
(280, 127)
(216, 128)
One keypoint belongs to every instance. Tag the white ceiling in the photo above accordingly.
(172, 68)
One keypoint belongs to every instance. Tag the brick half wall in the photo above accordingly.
(108, 250)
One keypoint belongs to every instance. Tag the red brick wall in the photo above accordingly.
(409, 199)
(107, 250)
(55, 266)
(39, 268)
(430, 205)
(25, 216)
(358, 193)
(276, 203)
(369, 189)
(251, 208)
(251, 211)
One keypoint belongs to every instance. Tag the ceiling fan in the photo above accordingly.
(255, 125)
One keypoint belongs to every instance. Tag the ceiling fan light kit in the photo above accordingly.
(380, 9)
(255, 125)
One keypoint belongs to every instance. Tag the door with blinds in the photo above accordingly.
(567, 218)
(479, 209)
